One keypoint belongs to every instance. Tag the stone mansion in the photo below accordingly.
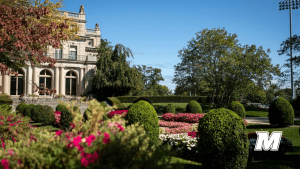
(70, 76)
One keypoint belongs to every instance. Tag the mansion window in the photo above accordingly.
(71, 83)
(17, 83)
(45, 79)
(73, 53)
(58, 53)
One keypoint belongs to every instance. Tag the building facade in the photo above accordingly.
(70, 76)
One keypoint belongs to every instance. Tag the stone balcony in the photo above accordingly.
(73, 57)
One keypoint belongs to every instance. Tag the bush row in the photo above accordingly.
(5, 99)
(182, 117)
(164, 99)
(38, 113)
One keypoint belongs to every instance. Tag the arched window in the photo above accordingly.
(71, 83)
(45, 79)
(17, 83)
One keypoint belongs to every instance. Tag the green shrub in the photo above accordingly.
(87, 115)
(5, 99)
(5, 108)
(165, 99)
(49, 116)
(257, 96)
(223, 141)
(193, 107)
(281, 113)
(179, 109)
(238, 108)
(145, 114)
(296, 103)
(20, 108)
(159, 109)
(66, 116)
(27, 110)
(37, 113)
(115, 102)
(170, 108)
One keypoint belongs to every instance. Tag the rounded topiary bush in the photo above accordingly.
(21, 107)
(37, 113)
(144, 113)
(66, 116)
(27, 110)
(223, 141)
(49, 116)
(193, 107)
(238, 108)
(170, 108)
(281, 113)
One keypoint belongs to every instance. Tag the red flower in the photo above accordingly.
(5, 164)
(84, 162)
(90, 139)
(58, 133)
(106, 139)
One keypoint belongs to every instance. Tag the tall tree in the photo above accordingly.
(151, 78)
(27, 29)
(114, 76)
(216, 58)
(285, 50)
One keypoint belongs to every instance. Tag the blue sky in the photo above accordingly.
(156, 30)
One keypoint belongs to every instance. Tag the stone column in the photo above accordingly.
(35, 79)
(81, 90)
(29, 79)
(62, 81)
(5, 84)
(85, 79)
(56, 86)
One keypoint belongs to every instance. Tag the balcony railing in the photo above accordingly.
(90, 30)
(75, 15)
(67, 57)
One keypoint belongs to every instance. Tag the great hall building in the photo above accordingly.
(71, 75)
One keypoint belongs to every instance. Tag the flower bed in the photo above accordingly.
(172, 124)
(182, 117)
(117, 112)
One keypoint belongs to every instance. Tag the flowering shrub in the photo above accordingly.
(177, 130)
(117, 112)
(57, 117)
(92, 144)
(184, 145)
(172, 124)
(182, 117)
(12, 127)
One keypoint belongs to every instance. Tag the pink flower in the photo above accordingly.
(5, 164)
(19, 162)
(1, 118)
(58, 133)
(106, 139)
(90, 139)
(57, 112)
(90, 157)
(84, 162)
(120, 127)
(72, 125)
(76, 142)
(1, 123)
(3, 144)
(10, 152)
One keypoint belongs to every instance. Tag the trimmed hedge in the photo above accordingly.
(281, 113)
(170, 108)
(5, 99)
(66, 116)
(27, 110)
(37, 113)
(296, 103)
(238, 108)
(223, 141)
(193, 107)
(21, 107)
(165, 99)
(142, 112)
(115, 102)
(49, 116)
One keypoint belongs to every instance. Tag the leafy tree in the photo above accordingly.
(27, 28)
(285, 50)
(216, 58)
(150, 79)
(114, 76)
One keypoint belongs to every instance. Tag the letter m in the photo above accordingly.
(266, 142)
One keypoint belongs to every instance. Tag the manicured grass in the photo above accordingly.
(255, 112)
(45, 127)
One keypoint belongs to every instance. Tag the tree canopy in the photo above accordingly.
(28, 27)
(216, 59)
(114, 76)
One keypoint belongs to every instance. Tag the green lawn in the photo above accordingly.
(45, 127)
(255, 112)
